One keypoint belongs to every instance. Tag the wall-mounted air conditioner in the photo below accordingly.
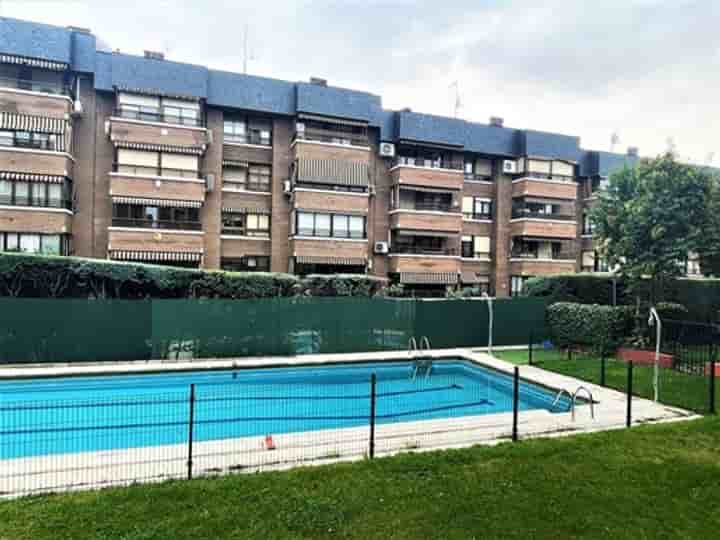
(381, 248)
(510, 166)
(77, 109)
(287, 187)
(387, 149)
(209, 182)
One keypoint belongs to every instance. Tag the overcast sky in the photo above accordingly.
(646, 69)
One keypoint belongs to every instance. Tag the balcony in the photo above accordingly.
(329, 251)
(167, 115)
(129, 132)
(155, 186)
(35, 97)
(34, 160)
(156, 245)
(405, 172)
(537, 187)
(34, 202)
(31, 219)
(136, 223)
(338, 202)
(414, 220)
(439, 262)
(544, 228)
(333, 136)
(532, 256)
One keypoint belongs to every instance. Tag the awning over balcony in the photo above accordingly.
(428, 278)
(330, 171)
(28, 122)
(156, 202)
(424, 189)
(235, 163)
(32, 177)
(32, 62)
(246, 209)
(194, 150)
(332, 120)
(471, 278)
(436, 234)
(341, 261)
(180, 256)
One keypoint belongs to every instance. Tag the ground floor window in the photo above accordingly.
(46, 244)
(248, 263)
(517, 284)
(425, 290)
(304, 269)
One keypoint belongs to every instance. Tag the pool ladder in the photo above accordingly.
(573, 399)
(420, 364)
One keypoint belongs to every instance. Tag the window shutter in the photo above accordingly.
(468, 205)
(483, 167)
(562, 168)
(136, 99)
(538, 166)
(482, 244)
(137, 157)
(588, 259)
(179, 161)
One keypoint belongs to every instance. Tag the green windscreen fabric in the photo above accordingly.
(73, 330)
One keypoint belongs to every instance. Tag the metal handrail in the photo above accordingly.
(559, 395)
(590, 396)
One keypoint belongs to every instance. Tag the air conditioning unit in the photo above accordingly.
(510, 166)
(209, 182)
(387, 149)
(77, 109)
(287, 187)
(210, 136)
(300, 129)
(381, 248)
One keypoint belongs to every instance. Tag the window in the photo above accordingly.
(247, 130)
(588, 226)
(246, 224)
(588, 261)
(476, 247)
(259, 178)
(478, 169)
(476, 208)
(29, 139)
(179, 165)
(601, 264)
(6, 190)
(551, 170)
(154, 217)
(138, 162)
(159, 109)
(331, 132)
(425, 157)
(7, 138)
(251, 178)
(517, 283)
(248, 263)
(49, 244)
(22, 193)
(330, 225)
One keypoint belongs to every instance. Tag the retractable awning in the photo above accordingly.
(428, 278)
(193, 150)
(246, 209)
(332, 120)
(343, 261)
(32, 177)
(32, 62)
(471, 278)
(132, 255)
(156, 202)
(329, 171)
(29, 122)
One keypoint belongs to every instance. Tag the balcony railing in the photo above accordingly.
(545, 176)
(428, 207)
(475, 215)
(157, 224)
(7, 200)
(175, 115)
(420, 250)
(472, 177)
(143, 170)
(251, 137)
(520, 213)
(428, 163)
(50, 143)
(331, 136)
(44, 87)
(530, 255)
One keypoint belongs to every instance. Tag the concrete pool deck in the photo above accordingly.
(84, 470)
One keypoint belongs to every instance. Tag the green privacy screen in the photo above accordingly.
(69, 330)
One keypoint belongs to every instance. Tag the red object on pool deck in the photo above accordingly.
(638, 356)
(269, 443)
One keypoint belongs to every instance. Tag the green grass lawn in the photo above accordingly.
(679, 389)
(657, 482)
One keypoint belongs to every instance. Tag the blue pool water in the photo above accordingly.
(60, 415)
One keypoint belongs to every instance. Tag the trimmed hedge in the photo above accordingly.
(38, 276)
(600, 328)
(701, 297)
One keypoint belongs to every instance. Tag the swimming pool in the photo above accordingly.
(41, 417)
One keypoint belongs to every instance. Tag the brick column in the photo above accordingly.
(501, 232)
(210, 212)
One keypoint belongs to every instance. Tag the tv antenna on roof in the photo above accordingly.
(458, 102)
(614, 140)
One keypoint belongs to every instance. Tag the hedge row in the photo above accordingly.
(701, 297)
(599, 328)
(39, 276)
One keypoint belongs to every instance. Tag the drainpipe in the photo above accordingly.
(652, 319)
(490, 321)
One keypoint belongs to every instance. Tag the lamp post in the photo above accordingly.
(652, 319)
(490, 321)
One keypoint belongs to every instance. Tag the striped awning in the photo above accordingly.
(331, 171)
(156, 202)
(429, 278)
(194, 150)
(235, 163)
(473, 278)
(155, 92)
(425, 189)
(131, 255)
(332, 120)
(436, 234)
(32, 62)
(28, 122)
(32, 177)
(246, 210)
(344, 261)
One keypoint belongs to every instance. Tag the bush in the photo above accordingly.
(40, 276)
(600, 328)
(671, 310)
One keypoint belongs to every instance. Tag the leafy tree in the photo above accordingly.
(652, 216)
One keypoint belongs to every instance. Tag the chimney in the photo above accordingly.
(496, 121)
(632, 151)
(406, 109)
(154, 55)
(317, 81)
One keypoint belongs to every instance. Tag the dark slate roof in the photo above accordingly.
(338, 102)
(386, 121)
(550, 145)
(160, 76)
(429, 128)
(83, 52)
(486, 139)
(600, 163)
(34, 40)
(235, 90)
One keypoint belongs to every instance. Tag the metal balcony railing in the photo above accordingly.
(332, 136)
(428, 207)
(428, 163)
(477, 215)
(520, 213)
(421, 250)
(545, 176)
(157, 224)
(44, 87)
(251, 137)
(557, 256)
(7, 200)
(174, 115)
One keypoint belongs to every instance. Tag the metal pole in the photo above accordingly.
(628, 421)
(712, 381)
(656, 370)
(530, 349)
(602, 370)
(614, 291)
(490, 321)
(373, 383)
(190, 432)
(516, 402)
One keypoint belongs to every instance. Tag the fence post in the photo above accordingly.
(516, 400)
(373, 383)
(530, 349)
(628, 420)
(712, 381)
(602, 369)
(190, 432)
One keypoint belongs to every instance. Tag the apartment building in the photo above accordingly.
(131, 158)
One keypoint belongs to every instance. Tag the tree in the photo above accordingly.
(652, 216)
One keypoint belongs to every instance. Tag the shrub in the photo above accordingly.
(40, 276)
(601, 328)
(671, 310)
